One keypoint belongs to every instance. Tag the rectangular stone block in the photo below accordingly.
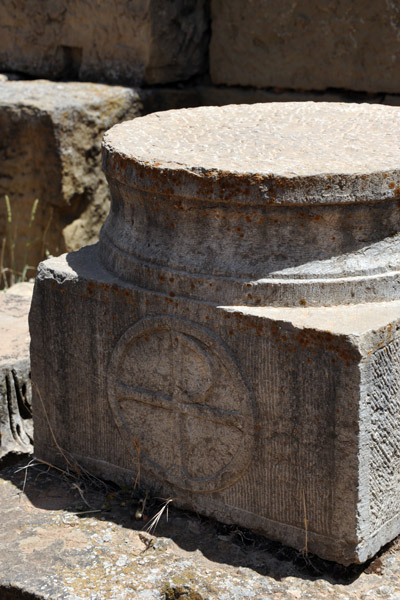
(293, 423)
(123, 41)
(50, 151)
(307, 45)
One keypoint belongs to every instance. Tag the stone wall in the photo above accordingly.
(114, 41)
(307, 45)
(167, 54)
(260, 43)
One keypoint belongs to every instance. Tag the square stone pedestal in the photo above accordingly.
(285, 420)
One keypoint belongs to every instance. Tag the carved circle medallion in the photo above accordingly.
(176, 393)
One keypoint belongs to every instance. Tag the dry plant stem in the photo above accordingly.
(2, 269)
(38, 461)
(86, 512)
(140, 510)
(46, 229)
(77, 469)
(152, 524)
(14, 275)
(33, 463)
(77, 487)
(137, 446)
(29, 241)
(11, 239)
(25, 476)
(74, 466)
(305, 551)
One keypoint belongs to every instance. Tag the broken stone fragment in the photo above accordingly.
(16, 428)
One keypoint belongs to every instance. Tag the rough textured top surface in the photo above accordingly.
(55, 96)
(340, 152)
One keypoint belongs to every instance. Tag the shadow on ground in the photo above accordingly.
(49, 488)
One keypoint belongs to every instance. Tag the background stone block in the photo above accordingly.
(50, 150)
(306, 45)
(123, 41)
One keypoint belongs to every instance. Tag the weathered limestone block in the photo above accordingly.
(16, 429)
(308, 45)
(113, 41)
(234, 337)
(50, 150)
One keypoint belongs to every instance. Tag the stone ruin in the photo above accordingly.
(233, 339)
(167, 55)
(261, 43)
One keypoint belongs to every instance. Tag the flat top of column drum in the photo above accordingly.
(298, 153)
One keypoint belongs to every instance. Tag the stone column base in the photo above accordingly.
(283, 420)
